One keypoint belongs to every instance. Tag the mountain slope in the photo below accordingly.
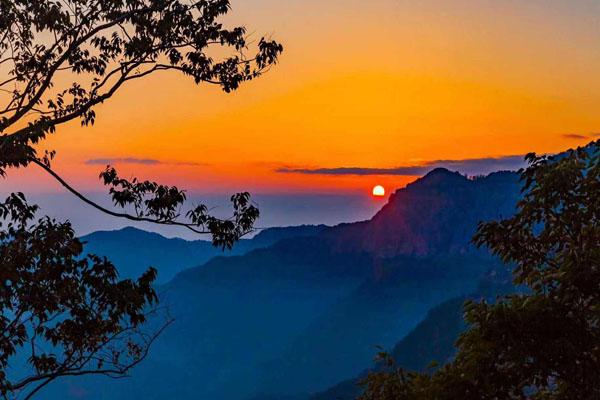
(385, 307)
(431, 340)
(233, 314)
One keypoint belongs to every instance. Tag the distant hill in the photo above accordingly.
(304, 309)
(133, 250)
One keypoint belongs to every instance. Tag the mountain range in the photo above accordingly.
(298, 313)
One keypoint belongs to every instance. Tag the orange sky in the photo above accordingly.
(379, 83)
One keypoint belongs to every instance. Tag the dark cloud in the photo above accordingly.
(575, 136)
(412, 170)
(126, 160)
(142, 161)
(472, 166)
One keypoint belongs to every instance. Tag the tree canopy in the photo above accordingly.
(65, 313)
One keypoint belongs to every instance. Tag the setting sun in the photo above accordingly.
(378, 191)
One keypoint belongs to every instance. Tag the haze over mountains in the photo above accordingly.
(134, 250)
(294, 311)
(284, 209)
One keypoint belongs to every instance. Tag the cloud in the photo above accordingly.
(411, 170)
(142, 161)
(126, 160)
(473, 166)
(575, 136)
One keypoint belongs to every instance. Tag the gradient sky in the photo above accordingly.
(370, 85)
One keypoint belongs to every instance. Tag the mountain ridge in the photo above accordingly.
(261, 316)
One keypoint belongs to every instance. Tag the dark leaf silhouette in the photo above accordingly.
(68, 314)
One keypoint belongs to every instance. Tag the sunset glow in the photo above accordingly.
(452, 81)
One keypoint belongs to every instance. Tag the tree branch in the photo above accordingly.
(75, 370)
(110, 212)
(50, 74)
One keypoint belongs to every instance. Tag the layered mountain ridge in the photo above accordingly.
(303, 310)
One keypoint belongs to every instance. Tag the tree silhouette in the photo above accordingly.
(545, 343)
(66, 314)
(71, 311)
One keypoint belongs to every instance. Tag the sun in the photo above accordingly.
(378, 191)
